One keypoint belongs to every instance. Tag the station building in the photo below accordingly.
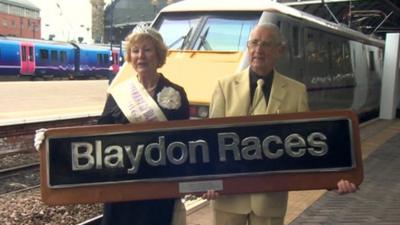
(19, 18)
(121, 16)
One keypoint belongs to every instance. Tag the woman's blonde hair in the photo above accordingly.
(143, 32)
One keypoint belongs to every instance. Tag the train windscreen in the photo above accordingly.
(219, 31)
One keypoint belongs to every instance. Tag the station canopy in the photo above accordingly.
(376, 17)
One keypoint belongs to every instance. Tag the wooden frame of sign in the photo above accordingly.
(153, 160)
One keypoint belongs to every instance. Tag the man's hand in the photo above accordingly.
(210, 195)
(345, 186)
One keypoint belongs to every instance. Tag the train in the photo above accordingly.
(33, 58)
(341, 68)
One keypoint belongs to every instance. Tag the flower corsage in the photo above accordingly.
(169, 98)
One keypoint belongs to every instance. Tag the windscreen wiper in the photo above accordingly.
(184, 37)
(203, 41)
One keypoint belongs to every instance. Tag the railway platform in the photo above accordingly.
(38, 101)
(376, 202)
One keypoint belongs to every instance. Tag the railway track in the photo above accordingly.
(19, 178)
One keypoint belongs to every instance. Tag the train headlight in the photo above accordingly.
(203, 111)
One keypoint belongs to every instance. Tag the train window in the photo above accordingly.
(23, 53)
(335, 56)
(216, 31)
(346, 64)
(316, 51)
(182, 25)
(371, 61)
(106, 58)
(278, 24)
(44, 54)
(99, 59)
(63, 57)
(330, 53)
(54, 55)
(31, 53)
(296, 40)
(339, 59)
(316, 58)
(225, 34)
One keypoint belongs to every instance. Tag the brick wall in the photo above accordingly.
(11, 25)
(19, 138)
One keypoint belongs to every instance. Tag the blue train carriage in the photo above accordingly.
(92, 61)
(96, 61)
(10, 62)
(116, 58)
(341, 68)
(35, 58)
(53, 59)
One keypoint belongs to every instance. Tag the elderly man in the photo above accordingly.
(259, 89)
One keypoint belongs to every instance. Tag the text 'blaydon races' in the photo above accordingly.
(96, 156)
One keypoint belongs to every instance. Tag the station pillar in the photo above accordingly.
(390, 80)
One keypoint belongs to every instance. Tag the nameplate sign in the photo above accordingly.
(106, 163)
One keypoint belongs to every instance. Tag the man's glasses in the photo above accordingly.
(252, 44)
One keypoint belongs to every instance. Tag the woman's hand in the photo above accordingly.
(39, 138)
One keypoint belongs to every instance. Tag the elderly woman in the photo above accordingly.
(159, 99)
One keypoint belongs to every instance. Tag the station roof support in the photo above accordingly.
(390, 92)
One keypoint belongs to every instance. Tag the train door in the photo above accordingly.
(115, 62)
(27, 59)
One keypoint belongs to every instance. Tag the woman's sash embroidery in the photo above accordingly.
(132, 98)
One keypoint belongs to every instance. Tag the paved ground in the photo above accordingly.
(376, 203)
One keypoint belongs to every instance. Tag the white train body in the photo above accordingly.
(341, 68)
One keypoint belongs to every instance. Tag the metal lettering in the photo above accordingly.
(134, 159)
(317, 140)
(266, 147)
(86, 156)
(252, 149)
(203, 146)
(295, 141)
(160, 147)
(116, 159)
(99, 155)
(223, 146)
(79, 156)
(183, 153)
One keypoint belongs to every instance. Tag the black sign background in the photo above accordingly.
(339, 157)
